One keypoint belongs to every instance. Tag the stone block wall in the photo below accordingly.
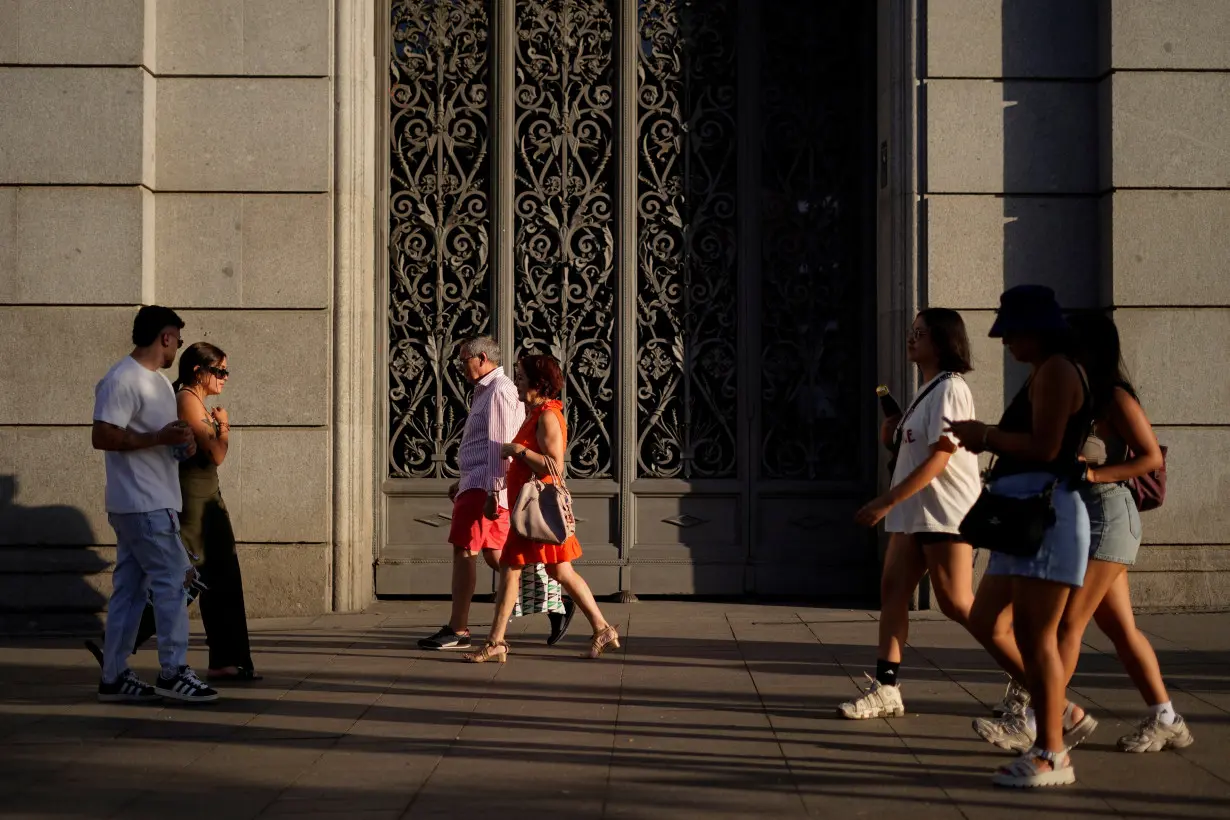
(177, 152)
(1008, 164)
(1166, 178)
(1081, 145)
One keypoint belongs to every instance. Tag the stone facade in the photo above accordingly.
(180, 153)
(1082, 145)
(219, 156)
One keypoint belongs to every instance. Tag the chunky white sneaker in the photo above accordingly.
(880, 701)
(1009, 732)
(1014, 702)
(1152, 735)
(1012, 732)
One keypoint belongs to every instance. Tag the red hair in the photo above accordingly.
(542, 374)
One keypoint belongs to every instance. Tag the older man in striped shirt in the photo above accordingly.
(480, 498)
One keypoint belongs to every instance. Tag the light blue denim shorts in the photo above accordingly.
(1114, 523)
(1065, 548)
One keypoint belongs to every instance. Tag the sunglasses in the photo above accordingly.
(220, 372)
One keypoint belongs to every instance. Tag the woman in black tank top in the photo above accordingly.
(1018, 418)
(1037, 443)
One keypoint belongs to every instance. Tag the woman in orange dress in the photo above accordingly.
(543, 435)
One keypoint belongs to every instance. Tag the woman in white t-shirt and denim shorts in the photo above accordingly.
(934, 484)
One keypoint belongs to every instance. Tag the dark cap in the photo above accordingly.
(1028, 309)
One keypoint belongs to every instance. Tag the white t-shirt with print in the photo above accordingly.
(942, 504)
(136, 398)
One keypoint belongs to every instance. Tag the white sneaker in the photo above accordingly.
(1152, 735)
(1012, 732)
(1009, 732)
(1014, 702)
(880, 701)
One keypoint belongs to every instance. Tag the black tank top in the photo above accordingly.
(1019, 418)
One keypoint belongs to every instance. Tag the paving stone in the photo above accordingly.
(710, 709)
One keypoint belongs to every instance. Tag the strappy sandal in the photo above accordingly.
(491, 651)
(601, 640)
(1026, 772)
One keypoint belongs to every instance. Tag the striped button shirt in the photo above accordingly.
(496, 414)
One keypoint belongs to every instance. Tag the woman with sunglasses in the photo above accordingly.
(205, 523)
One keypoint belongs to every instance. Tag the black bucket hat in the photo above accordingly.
(1028, 309)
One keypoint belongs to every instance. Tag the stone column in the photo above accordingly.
(355, 317)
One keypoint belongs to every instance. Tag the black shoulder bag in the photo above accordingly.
(1014, 526)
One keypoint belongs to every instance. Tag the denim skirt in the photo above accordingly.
(1114, 523)
(1065, 547)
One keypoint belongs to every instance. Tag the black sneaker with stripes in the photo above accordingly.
(127, 688)
(185, 686)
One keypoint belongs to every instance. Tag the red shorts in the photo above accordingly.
(473, 531)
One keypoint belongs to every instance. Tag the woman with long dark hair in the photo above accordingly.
(934, 485)
(205, 523)
(1121, 448)
(1037, 443)
(538, 450)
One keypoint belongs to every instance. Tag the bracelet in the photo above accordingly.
(986, 433)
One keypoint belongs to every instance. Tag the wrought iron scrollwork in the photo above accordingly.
(811, 291)
(439, 289)
(686, 290)
(565, 292)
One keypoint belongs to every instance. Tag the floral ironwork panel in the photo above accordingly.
(563, 211)
(686, 288)
(439, 282)
(811, 297)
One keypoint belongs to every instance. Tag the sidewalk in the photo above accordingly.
(709, 711)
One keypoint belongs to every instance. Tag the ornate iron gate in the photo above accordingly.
(673, 197)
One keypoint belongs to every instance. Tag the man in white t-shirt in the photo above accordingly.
(137, 426)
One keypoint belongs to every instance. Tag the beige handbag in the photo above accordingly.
(543, 512)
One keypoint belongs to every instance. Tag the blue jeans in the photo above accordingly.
(149, 559)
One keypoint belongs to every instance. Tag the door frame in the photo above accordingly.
(361, 289)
